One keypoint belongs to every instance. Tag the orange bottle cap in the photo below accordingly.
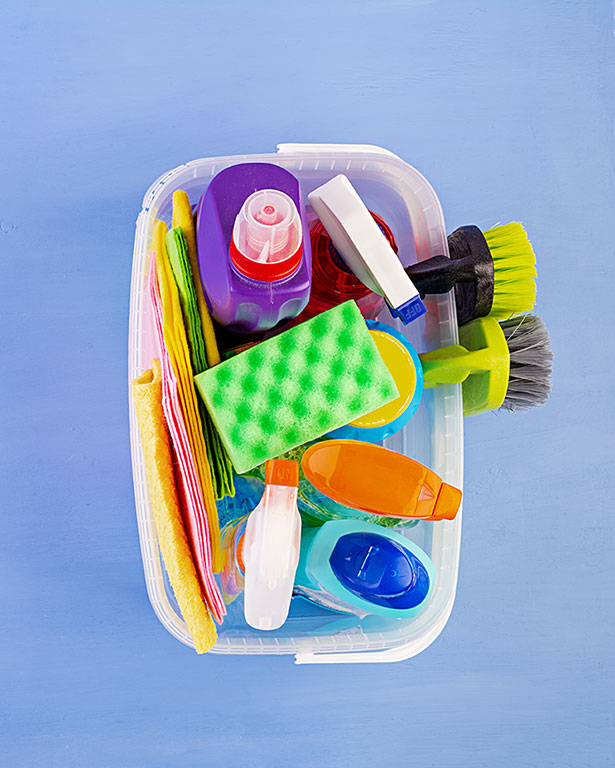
(447, 504)
(282, 472)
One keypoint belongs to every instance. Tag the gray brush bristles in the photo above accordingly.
(531, 362)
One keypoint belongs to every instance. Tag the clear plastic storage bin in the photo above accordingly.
(434, 436)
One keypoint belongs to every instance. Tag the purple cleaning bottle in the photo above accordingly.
(254, 247)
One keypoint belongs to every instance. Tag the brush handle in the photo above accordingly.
(453, 364)
(469, 271)
(439, 274)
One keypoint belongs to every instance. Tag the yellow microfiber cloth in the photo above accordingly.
(179, 354)
(220, 463)
(147, 396)
(191, 499)
(182, 217)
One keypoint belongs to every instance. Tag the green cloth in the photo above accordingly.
(221, 467)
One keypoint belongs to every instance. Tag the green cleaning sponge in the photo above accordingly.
(296, 386)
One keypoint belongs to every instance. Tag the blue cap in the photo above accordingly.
(365, 567)
(409, 310)
(380, 570)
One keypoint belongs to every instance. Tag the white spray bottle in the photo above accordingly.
(271, 547)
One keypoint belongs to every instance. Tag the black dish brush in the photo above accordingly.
(493, 272)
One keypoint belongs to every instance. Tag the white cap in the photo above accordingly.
(267, 228)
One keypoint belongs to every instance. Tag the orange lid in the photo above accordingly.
(282, 472)
(447, 504)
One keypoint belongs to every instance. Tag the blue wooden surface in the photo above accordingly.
(507, 108)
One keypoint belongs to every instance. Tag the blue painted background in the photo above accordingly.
(507, 108)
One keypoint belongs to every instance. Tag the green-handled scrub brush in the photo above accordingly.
(503, 364)
(493, 272)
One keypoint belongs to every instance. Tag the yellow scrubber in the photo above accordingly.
(147, 396)
(182, 217)
(179, 354)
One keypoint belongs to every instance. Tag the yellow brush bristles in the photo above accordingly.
(514, 270)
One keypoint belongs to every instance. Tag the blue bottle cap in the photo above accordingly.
(368, 568)
(379, 570)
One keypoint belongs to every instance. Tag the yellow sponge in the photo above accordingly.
(147, 396)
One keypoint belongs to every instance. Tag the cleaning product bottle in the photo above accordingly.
(271, 547)
(363, 246)
(363, 477)
(357, 567)
(333, 282)
(254, 247)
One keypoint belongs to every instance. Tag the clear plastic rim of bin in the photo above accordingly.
(396, 645)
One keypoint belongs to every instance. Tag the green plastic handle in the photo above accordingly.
(453, 364)
(481, 363)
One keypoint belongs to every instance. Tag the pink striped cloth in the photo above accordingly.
(195, 516)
